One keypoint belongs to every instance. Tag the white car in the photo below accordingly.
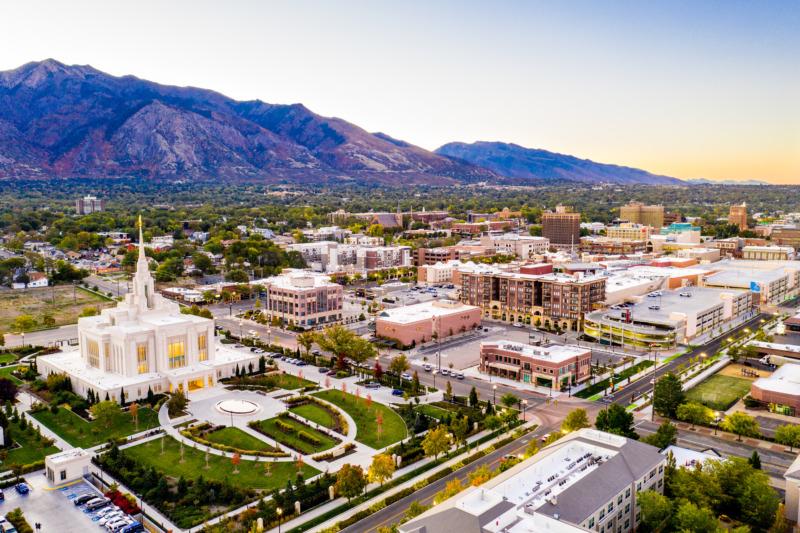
(118, 524)
(406, 376)
(111, 517)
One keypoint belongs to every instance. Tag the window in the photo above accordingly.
(602, 513)
(93, 353)
(63, 475)
(141, 358)
(202, 347)
(176, 352)
(628, 492)
(591, 523)
(619, 499)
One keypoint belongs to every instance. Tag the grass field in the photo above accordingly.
(315, 413)
(5, 372)
(31, 448)
(280, 381)
(269, 427)
(393, 429)
(78, 432)
(236, 438)
(252, 474)
(431, 410)
(719, 392)
(57, 301)
(6, 358)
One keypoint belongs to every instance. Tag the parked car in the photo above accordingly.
(97, 504)
(85, 497)
(372, 385)
(444, 372)
(459, 375)
(136, 527)
(324, 370)
(426, 367)
(406, 376)
(111, 517)
(545, 437)
(22, 488)
(397, 392)
(518, 325)
(118, 525)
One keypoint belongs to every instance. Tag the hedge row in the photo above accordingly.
(309, 438)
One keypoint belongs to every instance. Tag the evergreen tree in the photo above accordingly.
(473, 397)
(755, 460)
(150, 396)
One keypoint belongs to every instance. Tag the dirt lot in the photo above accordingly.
(59, 302)
(735, 370)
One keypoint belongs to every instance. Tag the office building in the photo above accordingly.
(418, 323)
(780, 392)
(629, 231)
(552, 366)
(737, 215)
(303, 299)
(786, 236)
(520, 246)
(88, 205)
(768, 253)
(646, 215)
(562, 226)
(586, 481)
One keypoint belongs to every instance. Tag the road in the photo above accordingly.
(773, 461)
(550, 420)
(645, 385)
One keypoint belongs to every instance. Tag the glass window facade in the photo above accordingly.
(142, 365)
(202, 347)
(176, 352)
(93, 351)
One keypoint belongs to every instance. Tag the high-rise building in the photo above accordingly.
(738, 216)
(89, 204)
(562, 226)
(647, 215)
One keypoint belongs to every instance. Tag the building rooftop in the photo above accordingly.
(785, 380)
(555, 352)
(67, 456)
(424, 311)
(297, 279)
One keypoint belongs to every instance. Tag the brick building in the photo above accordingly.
(553, 366)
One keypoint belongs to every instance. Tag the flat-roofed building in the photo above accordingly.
(629, 231)
(553, 366)
(562, 226)
(772, 281)
(786, 236)
(737, 215)
(639, 213)
(780, 391)
(612, 246)
(415, 324)
(586, 481)
(768, 253)
(303, 299)
(664, 319)
(441, 272)
(521, 246)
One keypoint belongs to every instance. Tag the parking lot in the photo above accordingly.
(53, 508)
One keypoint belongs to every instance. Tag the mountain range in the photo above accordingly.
(76, 121)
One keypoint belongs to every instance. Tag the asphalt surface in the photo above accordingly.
(623, 396)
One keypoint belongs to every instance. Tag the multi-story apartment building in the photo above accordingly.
(521, 246)
(383, 257)
(586, 481)
(629, 231)
(609, 246)
(477, 228)
(562, 226)
(737, 215)
(646, 215)
(554, 366)
(547, 300)
(88, 205)
(301, 298)
(331, 256)
(431, 256)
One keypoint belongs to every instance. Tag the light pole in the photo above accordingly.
(716, 424)
(269, 334)
(494, 394)
(524, 407)
(280, 513)
(654, 347)
(241, 326)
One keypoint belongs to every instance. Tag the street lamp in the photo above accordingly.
(654, 347)
(716, 424)
(241, 326)
(269, 334)
(494, 394)
(524, 407)
(703, 356)
(280, 513)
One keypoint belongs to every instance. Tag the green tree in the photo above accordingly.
(473, 397)
(689, 518)
(350, 481)
(695, 413)
(336, 339)
(306, 339)
(23, 323)
(742, 425)
(755, 460)
(460, 428)
(509, 400)
(575, 420)
(788, 435)
(665, 435)
(177, 403)
(381, 469)
(398, 365)
(655, 510)
(202, 263)
(436, 441)
(237, 276)
(106, 412)
(492, 422)
(668, 395)
(616, 419)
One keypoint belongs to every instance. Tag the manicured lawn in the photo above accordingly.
(8, 357)
(270, 427)
(252, 474)
(431, 410)
(5, 372)
(273, 381)
(315, 413)
(31, 448)
(393, 429)
(719, 392)
(236, 438)
(78, 432)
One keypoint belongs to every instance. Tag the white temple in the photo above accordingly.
(144, 342)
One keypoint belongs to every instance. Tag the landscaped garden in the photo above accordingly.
(317, 411)
(236, 438)
(295, 434)
(6, 372)
(29, 446)
(377, 425)
(719, 392)
(270, 382)
(190, 486)
(86, 434)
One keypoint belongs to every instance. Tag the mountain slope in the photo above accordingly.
(72, 121)
(523, 165)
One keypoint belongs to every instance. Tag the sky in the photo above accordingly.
(688, 89)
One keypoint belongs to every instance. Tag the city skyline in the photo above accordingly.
(675, 88)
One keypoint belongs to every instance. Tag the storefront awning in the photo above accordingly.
(506, 367)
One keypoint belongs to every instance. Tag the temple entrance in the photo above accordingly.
(196, 384)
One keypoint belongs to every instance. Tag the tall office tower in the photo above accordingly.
(647, 215)
(562, 226)
(738, 215)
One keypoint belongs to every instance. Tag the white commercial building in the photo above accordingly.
(586, 481)
(143, 343)
(67, 466)
(331, 256)
(521, 246)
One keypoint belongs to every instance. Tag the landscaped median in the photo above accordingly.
(231, 439)
(377, 425)
(595, 390)
(295, 434)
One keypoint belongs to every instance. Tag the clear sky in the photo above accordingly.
(689, 89)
